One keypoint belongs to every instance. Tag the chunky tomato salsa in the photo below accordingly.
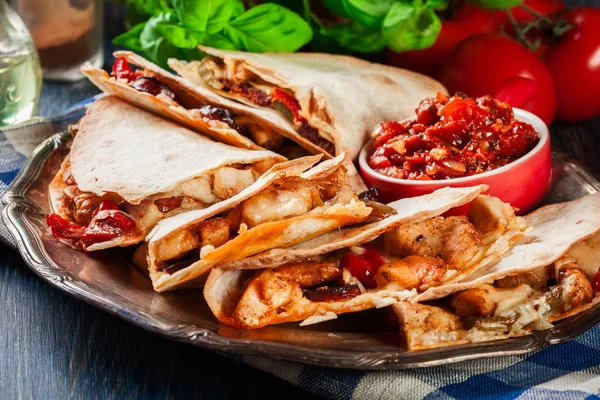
(451, 137)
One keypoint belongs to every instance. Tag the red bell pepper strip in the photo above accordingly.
(364, 266)
(290, 102)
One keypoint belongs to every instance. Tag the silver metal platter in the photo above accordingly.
(108, 281)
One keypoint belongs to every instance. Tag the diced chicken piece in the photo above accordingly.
(310, 273)
(273, 289)
(265, 293)
(230, 181)
(461, 242)
(199, 189)
(537, 279)
(420, 272)
(177, 244)
(236, 70)
(425, 326)
(423, 238)
(454, 239)
(474, 302)
(488, 214)
(80, 205)
(487, 300)
(278, 204)
(211, 72)
(338, 189)
(214, 232)
(260, 134)
(575, 287)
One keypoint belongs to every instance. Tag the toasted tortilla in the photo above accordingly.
(555, 229)
(224, 287)
(266, 235)
(342, 97)
(196, 96)
(113, 133)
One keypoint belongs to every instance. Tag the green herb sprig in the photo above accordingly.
(161, 29)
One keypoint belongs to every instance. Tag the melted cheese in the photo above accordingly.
(230, 181)
(276, 205)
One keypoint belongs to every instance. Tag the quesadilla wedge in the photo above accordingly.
(128, 169)
(287, 205)
(333, 102)
(146, 85)
(548, 276)
(373, 265)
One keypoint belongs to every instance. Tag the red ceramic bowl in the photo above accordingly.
(522, 183)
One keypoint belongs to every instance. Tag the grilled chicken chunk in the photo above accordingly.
(454, 239)
(214, 232)
(412, 272)
(272, 289)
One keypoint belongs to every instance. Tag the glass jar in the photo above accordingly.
(66, 33)
(20, 73)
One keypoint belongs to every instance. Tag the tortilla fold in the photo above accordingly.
(272, 233)
(104, 162)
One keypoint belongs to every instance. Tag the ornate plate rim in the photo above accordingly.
(14, 215)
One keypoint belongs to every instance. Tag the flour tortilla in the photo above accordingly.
(122, 149)
(165, 107)
(196, 96)
(224, 287)
(555, 229)
(290, 230)
(342, 97)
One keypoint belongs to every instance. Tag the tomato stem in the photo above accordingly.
(535, 13)
(520, 32)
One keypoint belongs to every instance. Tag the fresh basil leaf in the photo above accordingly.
(207, 15)
(438, 5)
(157, 47)
(268, 27)
(336, 7)
(410, 26)
(368, 13)
(180, 36)
(219, 41)
(355, 37)
(131, 38)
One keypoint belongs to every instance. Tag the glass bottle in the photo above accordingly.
(20, 72)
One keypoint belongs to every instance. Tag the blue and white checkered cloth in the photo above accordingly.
(566, 371)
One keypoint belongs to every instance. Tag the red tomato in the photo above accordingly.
(466, 21)
(544, 7)
(575, 65)
(493, 64)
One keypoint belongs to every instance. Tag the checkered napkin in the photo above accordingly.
(567, 371)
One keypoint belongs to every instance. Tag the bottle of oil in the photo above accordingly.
(20, 72)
